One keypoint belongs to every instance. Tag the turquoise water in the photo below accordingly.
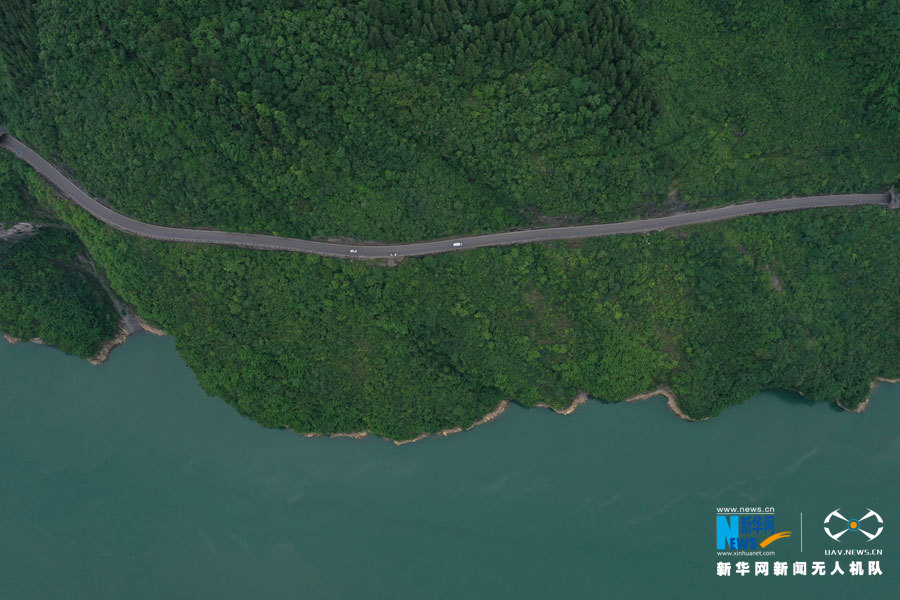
(127, 481)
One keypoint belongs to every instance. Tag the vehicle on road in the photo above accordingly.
(457, 244)
(353, 251)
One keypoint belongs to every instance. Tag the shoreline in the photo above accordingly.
(102, 354)
(862, 406)
(499, 410)
(671, 402)
(14, 340)
(128, 326)
(579, 400)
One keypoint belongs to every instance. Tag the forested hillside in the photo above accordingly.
(400, 120)
(15, 202)
(408, 119)
(45, 290)
(46, 293)
(373, 119)
(803, 301)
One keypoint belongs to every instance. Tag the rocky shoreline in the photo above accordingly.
(862, 406)
(499, 410)
(128, 326)
(671, 402)
(131, 324)
(15, 340)
(580, 399)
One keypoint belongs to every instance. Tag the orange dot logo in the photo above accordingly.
(870, 529)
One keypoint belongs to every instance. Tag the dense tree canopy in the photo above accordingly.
(407, 119)
(397, 119)
(45, 293)
(15, 201)
(417, 118)
(803, 301)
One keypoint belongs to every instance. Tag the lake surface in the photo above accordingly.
(127, 481)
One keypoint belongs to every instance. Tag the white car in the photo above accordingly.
(353, 251)
(457, 244)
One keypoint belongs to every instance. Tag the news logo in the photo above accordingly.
(746, 530)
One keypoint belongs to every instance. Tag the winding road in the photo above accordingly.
(371, 251)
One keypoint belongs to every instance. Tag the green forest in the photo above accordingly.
(16, 203)
(47, 289)
(46, 293)
(404, 120)
(413, 119)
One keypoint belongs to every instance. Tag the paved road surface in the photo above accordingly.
(366, 250)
